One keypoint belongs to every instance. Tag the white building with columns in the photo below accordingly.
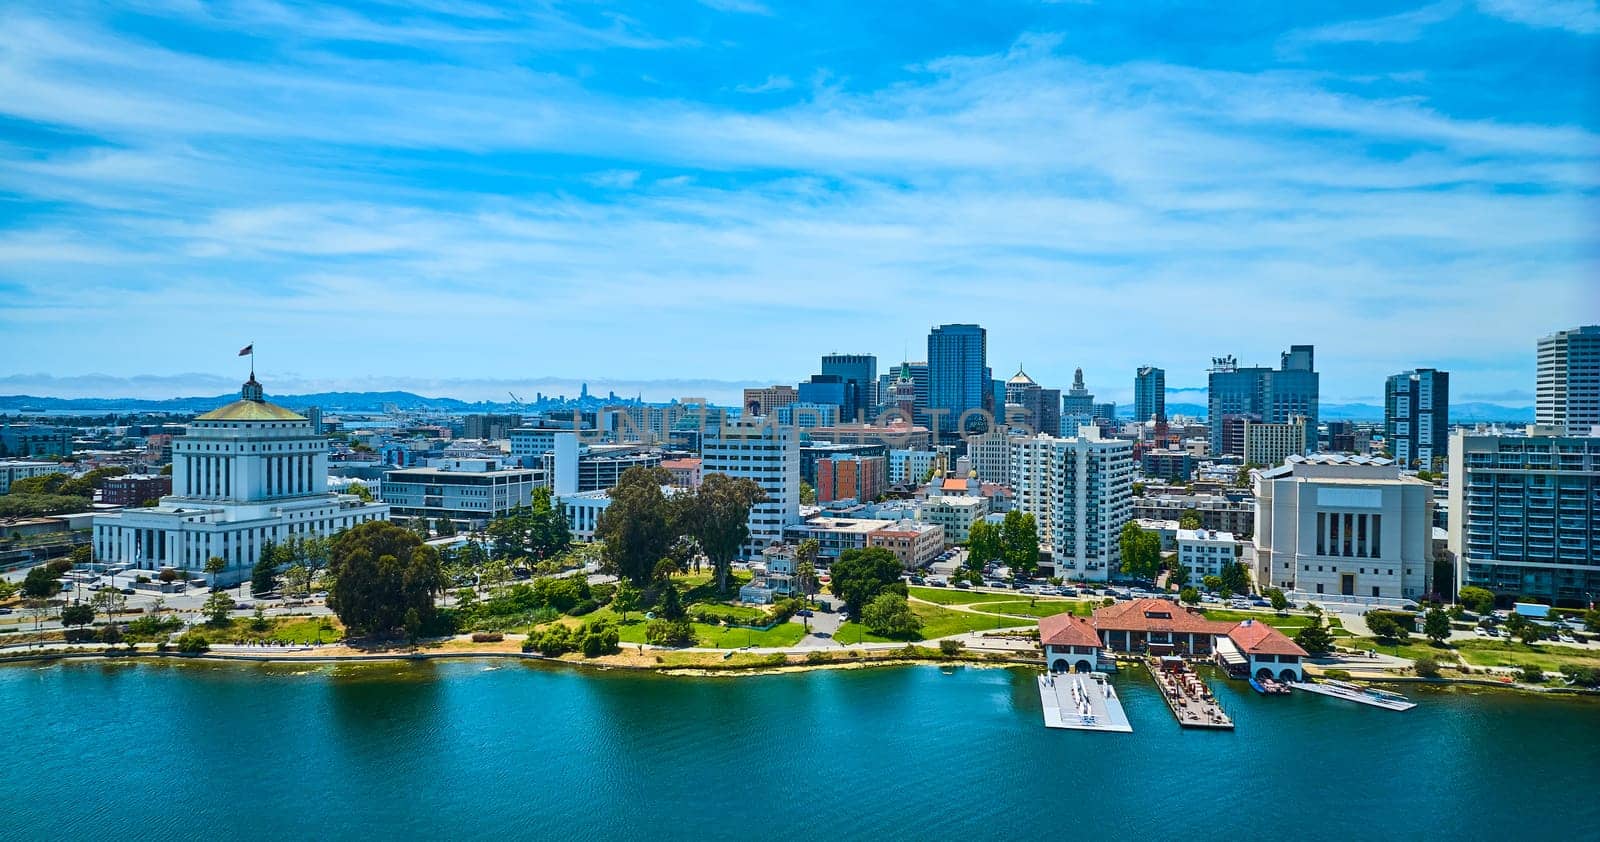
(245, 474)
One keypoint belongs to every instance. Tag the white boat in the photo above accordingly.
(1356, 693)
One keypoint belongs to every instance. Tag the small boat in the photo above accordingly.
(1356, 693)
(1269, 687)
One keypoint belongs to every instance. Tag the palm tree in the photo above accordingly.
(214, 566)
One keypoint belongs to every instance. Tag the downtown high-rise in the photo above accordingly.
(959, 380)
(1149, 394)
(1416, 417)
(1273, 395)
(1567, 390)
(859, 375)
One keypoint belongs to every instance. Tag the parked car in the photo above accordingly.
(1566, 638)
(963, 584)
(1481, 631)
(129, 591)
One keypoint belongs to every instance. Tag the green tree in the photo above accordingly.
(889, 614)
(1141, 552)
(1426, 667)
(1236, 578)
(40, 584)
(1591, 619)
(1278, 600)
(1477, 600)
(359, 489)
(985, 543)
(808, 494)
(1189, 596)
(1516, 625)
(636, 527)
(538, 530)
(1212, 583)
(413, 625)
(1315, 639)
(264, 576)
(717, 514)
(860, 575)
(381, 571)
(77, 615)
(669, 605)
(1020, 539)
(1436, 625)
(1189, 518)
(297, 580)
(214, 566)
(1385, 627)
(81, 555)
(217, 606)
(627, 598)
(446, 528)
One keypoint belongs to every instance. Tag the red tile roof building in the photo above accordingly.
(1161, 627)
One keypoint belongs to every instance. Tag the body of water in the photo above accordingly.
(521, 751)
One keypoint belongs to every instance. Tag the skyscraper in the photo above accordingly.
(1149, 394)
(859, 373)
(1568, 387)
(1077, 405)
(1265, 394)
(1416, 417)
(1041, 407)
(958, 374)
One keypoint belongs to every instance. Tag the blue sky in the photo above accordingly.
(460, 197)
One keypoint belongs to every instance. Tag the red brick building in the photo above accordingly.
(134, 489)
(860, 477)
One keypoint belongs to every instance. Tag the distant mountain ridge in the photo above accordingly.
(1465, 413)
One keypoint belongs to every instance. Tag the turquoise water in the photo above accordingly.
(520, 751)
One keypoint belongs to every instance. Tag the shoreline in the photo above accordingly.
(622, 662)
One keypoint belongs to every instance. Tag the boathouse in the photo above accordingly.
(1265, 651)
(1158, 627)
(1070, 643)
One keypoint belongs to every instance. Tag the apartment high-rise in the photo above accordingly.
(958, 375)
(1416, 417)
(859, 373)
(1259, 393)
(768, 453)
(1268, 445)
(1080, 492)
(1149, 394)
(1524, 514)
(1567, 393)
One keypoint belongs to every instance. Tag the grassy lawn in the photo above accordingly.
(1041, 608)
(936, 622)
(1491, 653)
(957, 596)
(1289, 623)
(717, 637)
(292, 629)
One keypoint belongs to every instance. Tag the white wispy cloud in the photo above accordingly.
(1025, 189)
(1580, 16)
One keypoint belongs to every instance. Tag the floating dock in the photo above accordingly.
(1187, 695)
(1082, 702)
(1356, 693)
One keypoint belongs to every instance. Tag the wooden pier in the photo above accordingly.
(1187, 695)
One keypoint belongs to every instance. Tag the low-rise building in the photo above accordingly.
(915, 544)
(1269, 445)
(1160, 627)
(134, 489)
(685, 472)
(1230, 513)
(11, 471)
(1205, 552)
(834, 535)
(1175, 465)
(467, 492)
(955, 514)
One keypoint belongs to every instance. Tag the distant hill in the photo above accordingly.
(329, 401)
